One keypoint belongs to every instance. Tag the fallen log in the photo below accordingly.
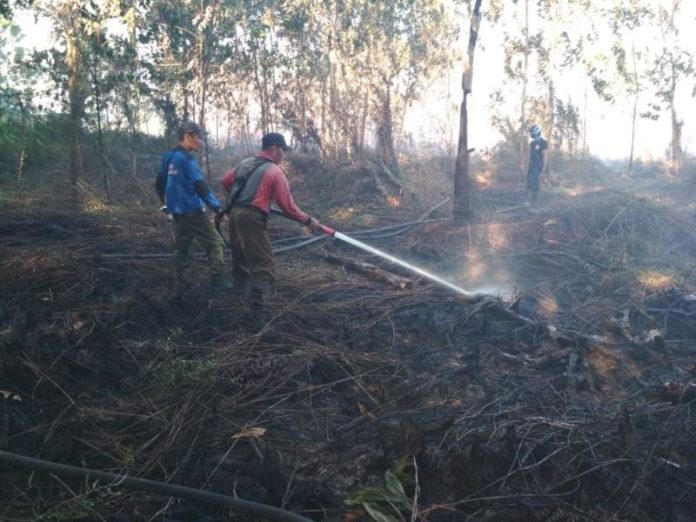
(362, 267)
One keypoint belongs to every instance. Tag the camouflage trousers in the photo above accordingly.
(196, 226)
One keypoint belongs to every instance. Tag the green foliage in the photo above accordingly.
(7, 7)
(382, 503)
(33, 146)
(335, 74)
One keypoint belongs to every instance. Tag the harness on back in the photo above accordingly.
(238, 187)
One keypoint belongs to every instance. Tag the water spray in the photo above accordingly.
(324, 229)
(401, 262)
(372, 250)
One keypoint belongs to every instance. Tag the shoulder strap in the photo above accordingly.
(239, 184)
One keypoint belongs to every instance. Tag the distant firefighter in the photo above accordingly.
(538, 163)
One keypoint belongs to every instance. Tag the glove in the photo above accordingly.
(219, 216)
(313, 225)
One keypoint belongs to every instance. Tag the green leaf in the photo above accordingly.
(377, 514)
(394, 485)
(372, 495)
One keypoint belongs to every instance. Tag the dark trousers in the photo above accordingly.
(533, 180)
(252, 255)
(253, 262)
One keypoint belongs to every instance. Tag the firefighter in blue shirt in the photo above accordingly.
(182, 188)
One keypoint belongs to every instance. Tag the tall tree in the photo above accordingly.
(625, 20)
(672, 64)
(170, 54)
(17, 95)
(73, 26)
(407, 48)
(524, 78)
(462, 184)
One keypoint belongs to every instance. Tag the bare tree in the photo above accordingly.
(673, 64)
(71, 23)
(462, 184)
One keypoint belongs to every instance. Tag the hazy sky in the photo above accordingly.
(608, 126)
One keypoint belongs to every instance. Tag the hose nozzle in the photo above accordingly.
(327, 230)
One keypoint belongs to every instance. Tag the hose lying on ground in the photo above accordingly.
(197, 495)
(373, 233)
(303, 240)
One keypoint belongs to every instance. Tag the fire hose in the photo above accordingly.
(328, 231)
(197, 495)
(323, 229)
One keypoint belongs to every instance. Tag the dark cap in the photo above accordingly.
(189, 127)
(274, 138)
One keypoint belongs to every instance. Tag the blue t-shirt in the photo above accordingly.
(183, 173)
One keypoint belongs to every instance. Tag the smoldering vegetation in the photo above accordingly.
(370, 392)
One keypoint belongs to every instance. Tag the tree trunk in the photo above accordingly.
(364, 111)
(203, 84)
(634, 117)
(583, 165)
(22, 157)
(635, 105)
(551, 125)
(134, 106)
(261, 86)
(667, 25)
(332, 111)
(676, 127)
(462, 185)
(523, 102)
(323, 122)
(73, 61)
(98, 109)
(385, 134)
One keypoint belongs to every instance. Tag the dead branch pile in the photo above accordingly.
(481, 416)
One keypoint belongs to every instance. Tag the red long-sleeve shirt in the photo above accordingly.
(274, 187)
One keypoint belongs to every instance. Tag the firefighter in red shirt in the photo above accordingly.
(253, 262)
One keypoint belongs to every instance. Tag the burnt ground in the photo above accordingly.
(370, 392)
